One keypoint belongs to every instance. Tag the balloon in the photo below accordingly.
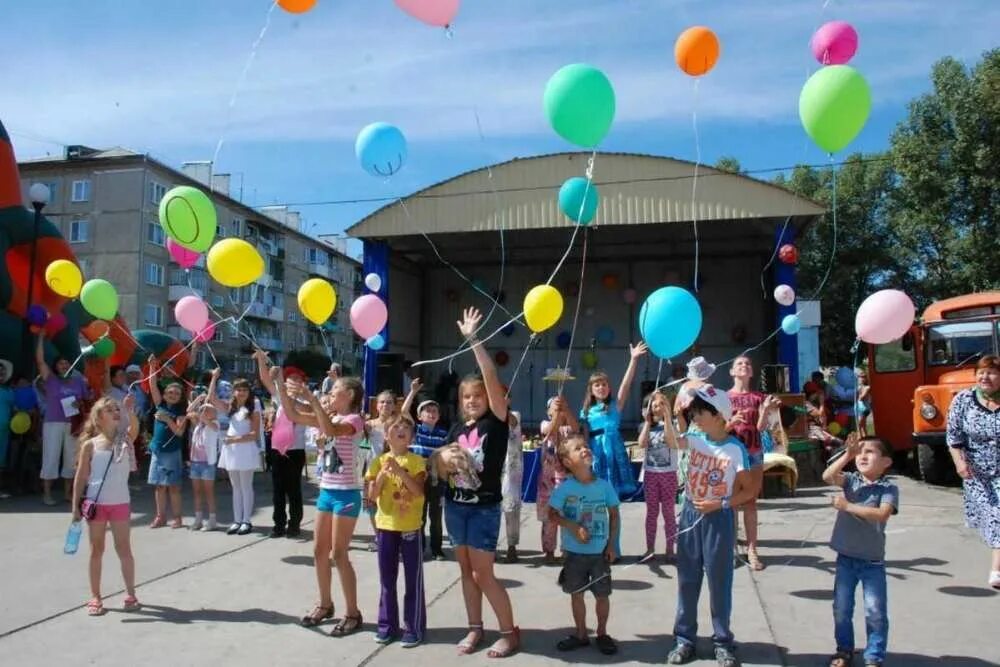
(186, 258)
(433, 12)
(791, 324)
(187, 216)
(843, 419)
(501, 358)
(55, 324)
(884, 316)
(296, 6)
(630, 296)
(835, 43)
(834, 106)
(64, 278)
(25, 400)
(564, 339)
(381, 149)
(696, 50)
(96, 329)
(788, 254)
(191, 313)
(845, 377)
(206, 333)
(605, 335)
(376, 342)
(835, 429)
(508, 330)
(368, 315)
(579, 102)
(99, 298)
(20, 423)
(103, 348)
(234, 263)
(317, 299)
(37, 315)
(784, 295)
(589, 360)
(373, 282)
(670, 321)
(578, 199)
(543, 307)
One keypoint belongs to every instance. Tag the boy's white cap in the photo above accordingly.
(424, 404)
(699, 369)
(717, 398)
(133, 368)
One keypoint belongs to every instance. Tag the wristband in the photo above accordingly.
(725, 503)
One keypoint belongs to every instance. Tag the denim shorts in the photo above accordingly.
(203, 471)
(166, 469)
(341, 502)
(473, 526)
(756, 460)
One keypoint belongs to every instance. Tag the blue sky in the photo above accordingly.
(158, 77)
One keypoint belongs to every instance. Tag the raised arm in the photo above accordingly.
(212, 386)
(834, 473)
(415, 386)
(770, 404)
(671, 437)
(635, 351)
(468, 325)
(262, 372)
(154, 389)
(43, 368)
(647, 425)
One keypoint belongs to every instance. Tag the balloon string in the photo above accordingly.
(212, 354)
(517, 369)
(423, 362)
(777, 246)
(576, 311)
(694, 184)
(833, 250)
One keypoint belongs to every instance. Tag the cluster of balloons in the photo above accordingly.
(884, 316)
(669, 321)
(97, 296)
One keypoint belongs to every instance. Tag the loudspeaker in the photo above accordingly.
(775, 378)
(794, 417)
(388, 373)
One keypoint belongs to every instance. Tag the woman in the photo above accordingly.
(64, 398)
(974, 441)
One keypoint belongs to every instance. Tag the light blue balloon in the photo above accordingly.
(381, 149)
(670, 321)
(376, 342)
(605, 335)
(791, 324)
(578, 199)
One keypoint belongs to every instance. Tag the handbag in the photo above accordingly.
(88, 507)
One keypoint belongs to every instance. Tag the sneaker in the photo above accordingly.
(371, 546)
(293, 532)
(244, 529)
(410, 641)
(198, 523)
(995, 579)
(682, 654)
(439, 555)
(48, 501)
(278, 531)
(233, 529)
(383, 638)
(210, 525)
(725, 657)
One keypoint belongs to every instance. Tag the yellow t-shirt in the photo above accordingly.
(398, 508)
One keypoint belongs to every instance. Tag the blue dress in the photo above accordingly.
(611, 460)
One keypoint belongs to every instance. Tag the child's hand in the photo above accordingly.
(707, 506)
(416, 385)
(637, 350)
(610, 554)
(840, 502)
(129, 402)
(393, 467)
(154, 365)
(582, 534)
(275, 373)
(216, 373)
(471, 317)
(76, 514)
(853, 445)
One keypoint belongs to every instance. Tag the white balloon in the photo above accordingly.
(784, 295)
(373, 282)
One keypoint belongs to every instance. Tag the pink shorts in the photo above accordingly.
(122, 512)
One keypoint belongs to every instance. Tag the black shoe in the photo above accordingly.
(439, 555)
(233, 529)
(278, 531)
(293, 532)
(681, 654)
(725, 657)
(244, 529)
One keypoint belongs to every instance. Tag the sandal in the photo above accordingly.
(348, 625)
(756, 564)
(316, 616)
(841, 659)
(513, 637)
(572, 642)
(158, 522)
(467, 646)
(95, 607)
(177, 522)
(131, 603)
(606, 645)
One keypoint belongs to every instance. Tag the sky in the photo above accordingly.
(167, 78)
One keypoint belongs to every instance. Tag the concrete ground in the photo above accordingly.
(212, 599)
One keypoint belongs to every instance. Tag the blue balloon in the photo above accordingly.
(845, 377)
(508, 330)
(381, 149)
(564, 339)
(791, 324)
(578, 200)
(376, 342)
(670, 321)
(605, 335)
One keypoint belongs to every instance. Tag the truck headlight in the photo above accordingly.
(928, 411)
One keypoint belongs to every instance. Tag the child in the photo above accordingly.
(397, 488)
(105, 461)
(818, 417)
(165, 465)
(428, 438)
(718, 479)
(559, 426)
(204, 457)
(863, 509)
(586, 508)
(864, 405)
(603, 416)
(510, 483)
(659, 474)
(240, 455)
(385, 406)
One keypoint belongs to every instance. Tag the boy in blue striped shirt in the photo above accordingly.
(427, 438)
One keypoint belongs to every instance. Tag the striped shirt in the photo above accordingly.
(341, 462)
(427, 439)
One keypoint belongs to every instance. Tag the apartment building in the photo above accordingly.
(106, 203)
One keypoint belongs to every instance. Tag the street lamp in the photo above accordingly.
(39, 195)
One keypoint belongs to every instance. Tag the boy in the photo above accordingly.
(718, 479)
(586, 508)
(428, 438)
(863, 509)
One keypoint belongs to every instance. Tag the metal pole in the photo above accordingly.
(29, 357)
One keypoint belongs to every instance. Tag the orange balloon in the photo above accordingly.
(297, 6)
(696, 50)
(94, 330)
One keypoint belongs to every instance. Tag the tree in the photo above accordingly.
(730, 164)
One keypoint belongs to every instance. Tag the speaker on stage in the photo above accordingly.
(775, 379)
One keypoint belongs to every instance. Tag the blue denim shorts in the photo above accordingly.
(340, 502)
(756, 460)
(473, 526)
(203, 471)
(166, 469)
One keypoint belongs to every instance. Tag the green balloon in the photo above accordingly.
(104, 348)
(580, 104)
(99, 298)
(834, 106)
(187, 216)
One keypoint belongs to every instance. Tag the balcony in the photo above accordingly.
(317, 269)
(178, 292)
(265, 312)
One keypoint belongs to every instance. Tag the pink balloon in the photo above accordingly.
(885, 316)
(368, 315)
(434, 12)
(835, 43)
(630, 296)
(186, 258)
(784, 295)
(191, 313)
(56, 323)
(206, 333)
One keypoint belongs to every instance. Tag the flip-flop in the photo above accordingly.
(606, 645)
(572, 642)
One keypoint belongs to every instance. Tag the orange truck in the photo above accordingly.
(914, 379)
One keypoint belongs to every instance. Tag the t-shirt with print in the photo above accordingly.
(398, 508)
(164, 439)
(58, 390)
(747, 402)
(712, 466)
(485, 444)
(588, 505)
(659, 457)
(340, 462)
(857, 537)
(205, 444)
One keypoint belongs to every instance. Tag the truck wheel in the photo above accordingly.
(929, 462)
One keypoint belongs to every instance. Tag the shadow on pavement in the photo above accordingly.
(154, 613)
(968, 591)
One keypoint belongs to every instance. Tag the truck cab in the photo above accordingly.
(934, 361)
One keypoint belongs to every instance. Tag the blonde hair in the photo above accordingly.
(92, 427)
(562, 449)
(589, 398)
(353, 385)
(468, 381)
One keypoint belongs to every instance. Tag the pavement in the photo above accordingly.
(211, 599)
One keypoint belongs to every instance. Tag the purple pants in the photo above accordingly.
(661, 494)
(390, 544)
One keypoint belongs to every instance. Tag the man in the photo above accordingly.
(331, 376)
(133, 377)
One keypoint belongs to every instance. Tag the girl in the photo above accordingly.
(603, 416)
(165, 464)
(560, 425)
(864, 406)
(818, 417)
(472, 503)
(659, 473)
(339, 502)
(106, 458)
(510, 485)
(385, 406)
(240, 455)
(204, 457)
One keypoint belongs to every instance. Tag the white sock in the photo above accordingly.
(197, 516)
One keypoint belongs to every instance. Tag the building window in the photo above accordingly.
(237, 227)
(81, 191)
(79, 231)
(154, 274)
(292, 317)
(153, 315)
(154, 233)
(218, 300)
(156, 192)
(217, 337)
(84, 267)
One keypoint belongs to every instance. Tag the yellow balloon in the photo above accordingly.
(234, 263)
(20, 423)
(543, 307)
(834, 429)
(64, 278)
(317, 299)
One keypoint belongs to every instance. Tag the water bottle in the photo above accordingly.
(73, 537)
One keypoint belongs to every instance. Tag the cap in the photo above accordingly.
(133, 368)
(717, 398)
(292, 371)
(424, 404)
(700, 369)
